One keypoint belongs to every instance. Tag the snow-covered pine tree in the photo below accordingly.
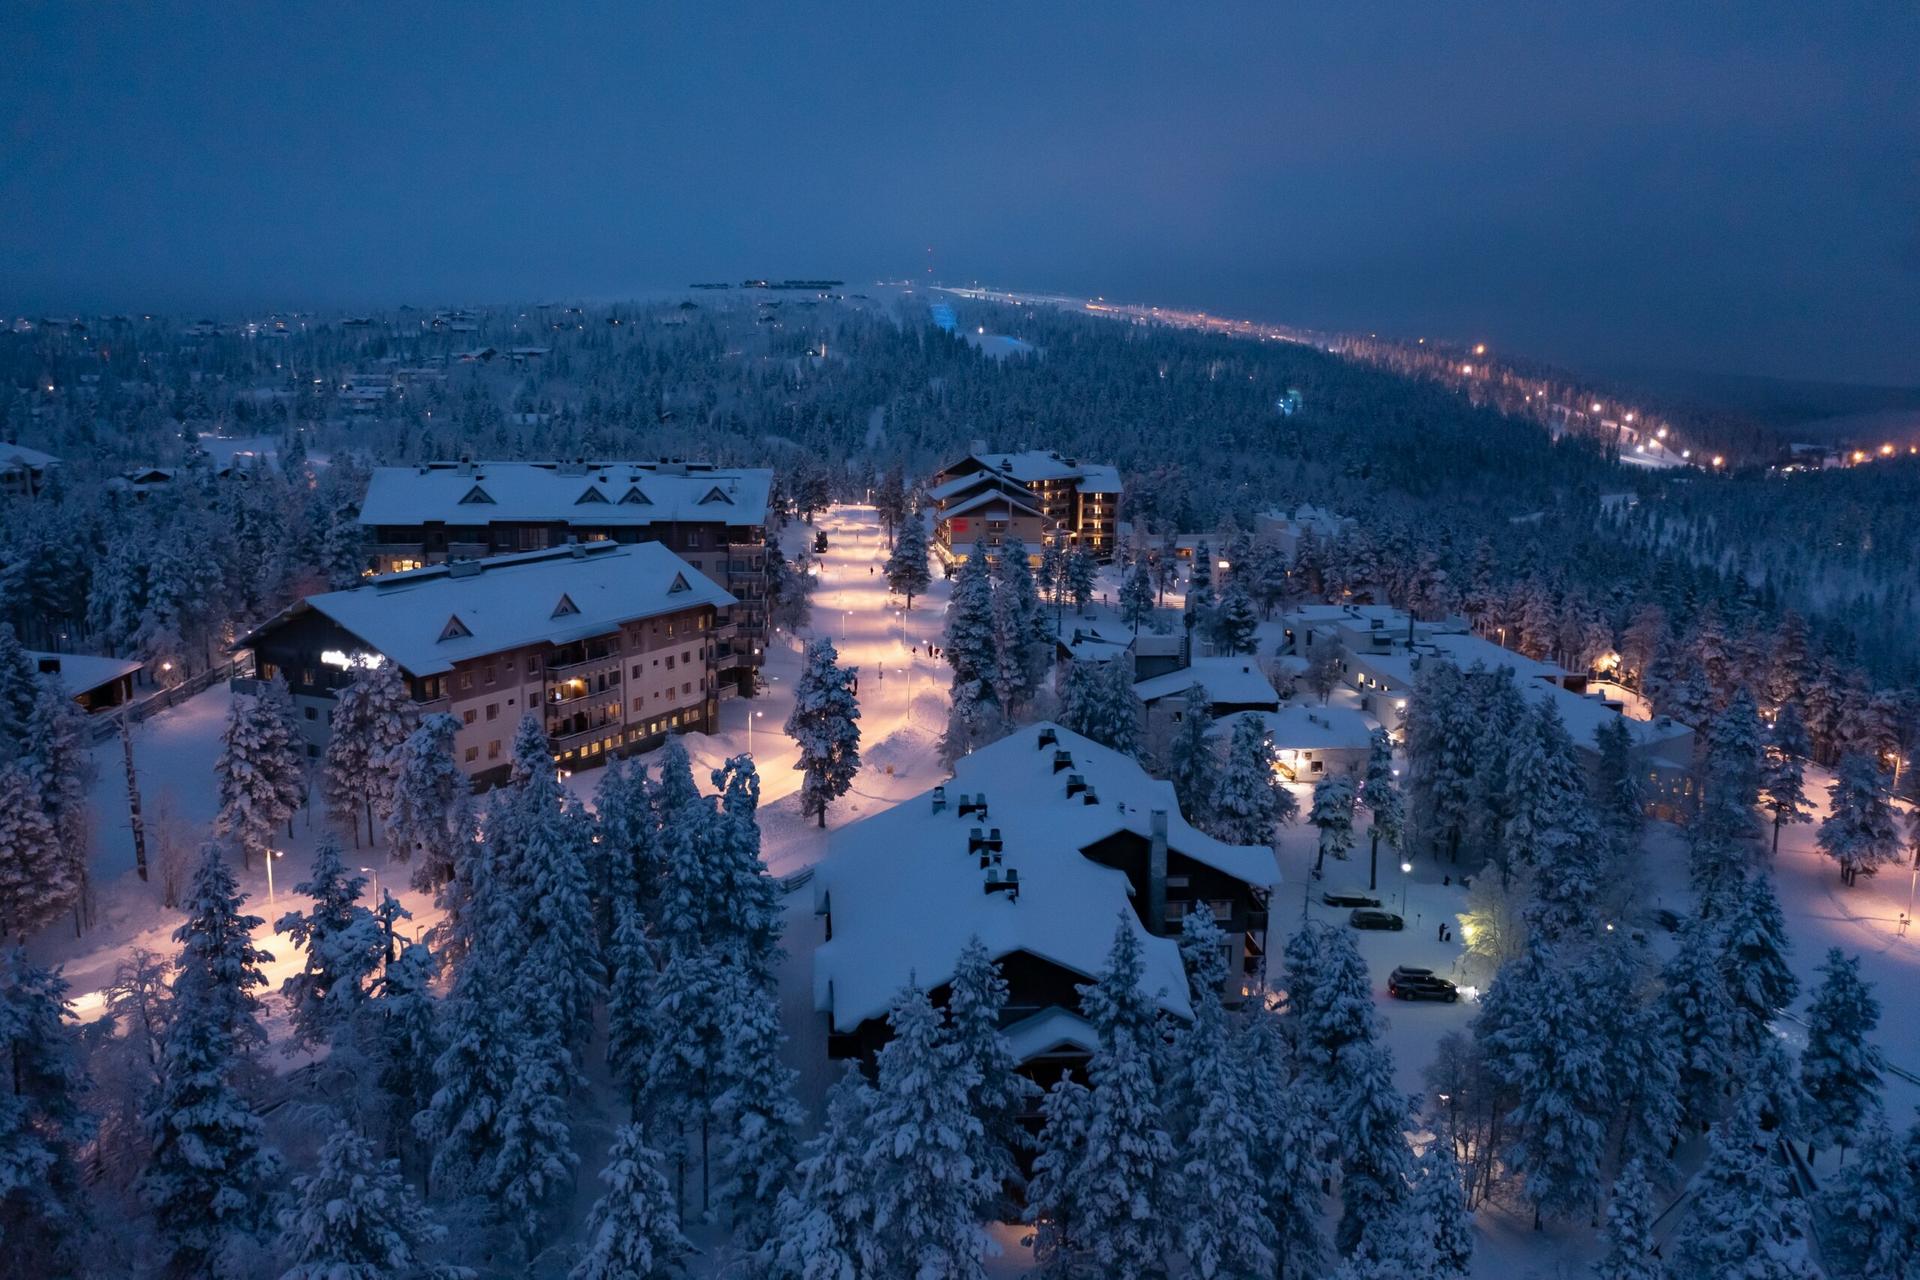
(1548, 1051)
(1753, 961)
(1031, 638)
(355, 1218)
(1122, 1181)
(1742, 1222)
(343, 946)
(248, 797)
(210, 1165)
(633, 1231)
(483, 1039)
(1089, 707)
(755, 1119)
(1013, 676)
(1734, 746)
(1616, 782)
(37, 879)
(1055, 1195)
(1698, 1013)
(1439, 1205)
(1332, 814)
(1439, 787)
(1235, 620)
(1870, 1208)
(968, 638)
(1783, 770)
(929, 1197)
(559, 976)
(1082, 570)
(1550, 826)
(430, 816)
(1219, 1150)
(1629, 1230)
(372, 715)
(823, 1223)
(58, 756)
(825, 725)
(1369, 1120)
(1859, 832)
(907, 573)
(1839, 1068)
(1380, 793)
(976, 998)
(1191, 761)
(1642, 1059)
(972, 721)
(1249, 798)
(1136, 597)
(400, 1035)
(42, 1201)
(1289, 1171)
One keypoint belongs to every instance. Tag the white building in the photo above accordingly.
(1312, 741)
(1286, 530)
(1041, 845)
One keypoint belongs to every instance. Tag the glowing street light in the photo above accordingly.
(271, 855)
(1406, 870)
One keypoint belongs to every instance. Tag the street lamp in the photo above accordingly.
(271, 855)
(1406, 869)
(750, 719)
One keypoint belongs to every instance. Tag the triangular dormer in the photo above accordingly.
(454, 629)
(591, 495)
(714, 495)
(565, 607)
(477, 494)
(635, 498)
(679, 584)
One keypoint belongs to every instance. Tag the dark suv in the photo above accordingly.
(1411, 983)
(1348, 898)
(1374, 918)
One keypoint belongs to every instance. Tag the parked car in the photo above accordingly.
(1667, 920)
(1408, 982)
(1348, 898)
(819, 542)
(1374, 918)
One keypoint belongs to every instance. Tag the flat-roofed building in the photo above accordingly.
(612, 645)
(712, 517)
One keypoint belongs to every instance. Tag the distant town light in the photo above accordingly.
(1466, 368)
(1717, 459)
(1479, 348)
(1596, 406)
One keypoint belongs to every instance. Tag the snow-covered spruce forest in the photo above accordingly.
(419, 1106)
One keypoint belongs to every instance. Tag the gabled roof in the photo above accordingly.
(77, 673)
(906, 894)
(615, 493)
(429, 619)
(1233, 682)
(990, 498)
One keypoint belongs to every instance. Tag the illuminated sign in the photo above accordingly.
(335, 658)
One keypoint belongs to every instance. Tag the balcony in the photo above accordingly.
(576, 738)
(567, 661)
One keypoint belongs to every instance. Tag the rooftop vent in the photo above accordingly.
(1047, 736)
(989, 840)
(1003, 880)
(463, 569)
(1090, 796)
(1075, 785)
(1062, 760)
(939, 799)
(971, 804)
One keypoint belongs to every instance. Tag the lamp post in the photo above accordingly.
(1406, 869)
(271, 855)
(751, 717)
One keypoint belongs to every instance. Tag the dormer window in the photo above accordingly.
(591, 495)
(455, 629)
(679, 584)
(715, 495)
(635, 498)
(565, 607)
(477, 495)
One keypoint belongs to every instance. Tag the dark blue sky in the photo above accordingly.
(1725, 187)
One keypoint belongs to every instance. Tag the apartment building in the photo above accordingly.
(1041, 496)
(613, 645)
(712, 517)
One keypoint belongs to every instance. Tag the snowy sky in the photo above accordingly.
(1723, 187)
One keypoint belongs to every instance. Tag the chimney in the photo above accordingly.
(1157, 871)
(939, 798)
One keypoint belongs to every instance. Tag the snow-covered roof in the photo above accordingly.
(1465, 650)
(429, 619)
(1302, 727)
(18, 455)
(596, 493)
(1585, 714)
(77, 673)
(1228, 682)
(1031, 465)
(987, 499)
(1050, 1030)
(906, 894)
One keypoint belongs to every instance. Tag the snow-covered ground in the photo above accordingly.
(903, 712)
